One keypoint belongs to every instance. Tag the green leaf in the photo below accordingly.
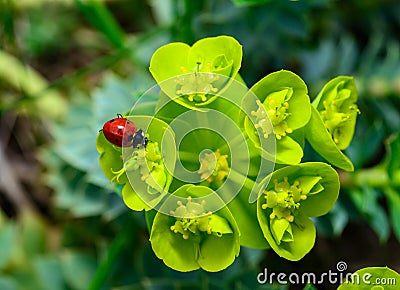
(7, 283)
(23, 78)
(393, 153)
(321, 141)
(118, 95)
(78, 269)
(366, 146)
(339, 219)
(48, 273)
(101, 18)
(250, 2)
(375, 213)
(372, 278)
(75, 194)
(8, 239)
(33, 234)
(74, 138)
(380, 223)
(114, 251)
(393, 198)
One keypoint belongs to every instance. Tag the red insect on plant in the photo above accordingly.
(123, 133)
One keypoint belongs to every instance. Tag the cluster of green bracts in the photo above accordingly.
(190, 233)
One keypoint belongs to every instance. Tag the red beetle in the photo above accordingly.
(120, 131)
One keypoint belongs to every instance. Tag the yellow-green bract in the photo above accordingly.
(188, 242)
(195, 69)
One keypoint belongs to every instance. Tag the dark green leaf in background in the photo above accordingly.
(393, 197)
(78, 269)
(250, 2)
(393, 148)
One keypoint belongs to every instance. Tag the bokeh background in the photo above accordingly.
(67, 66)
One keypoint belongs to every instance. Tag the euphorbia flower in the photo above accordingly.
(191, 75)
(141, 170)
(297, 193)
(333, 120)
(282, 107)
(193, 237)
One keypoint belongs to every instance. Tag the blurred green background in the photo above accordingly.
(67, 66)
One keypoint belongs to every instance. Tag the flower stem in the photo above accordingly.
(188, 156)
(377, 177)
(238, 177)
(236, 141)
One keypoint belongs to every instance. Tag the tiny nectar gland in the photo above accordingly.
(191, 219)
(214, 166)
(272, 113)
(196, 85)
(284, 199)
(334, 119)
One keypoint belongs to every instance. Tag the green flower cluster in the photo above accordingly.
(191, 233)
